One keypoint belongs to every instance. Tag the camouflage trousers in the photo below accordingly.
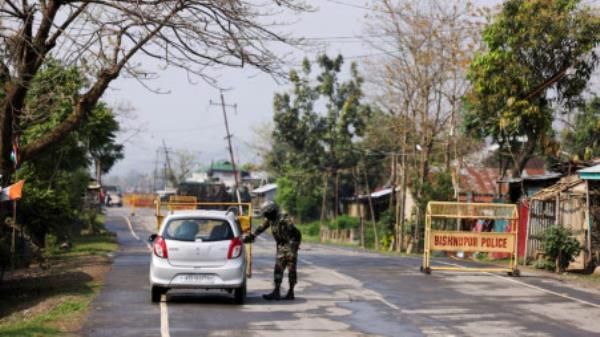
(287, 257)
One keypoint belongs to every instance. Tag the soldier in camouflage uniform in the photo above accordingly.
(288, 239)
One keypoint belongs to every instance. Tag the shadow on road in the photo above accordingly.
(224, 298)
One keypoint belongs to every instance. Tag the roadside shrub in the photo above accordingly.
(386, 241)
(344, 222)
(310, 229)
(560, 246)
(544, 264)
(370, 235)
(51, 243)
(299, 198)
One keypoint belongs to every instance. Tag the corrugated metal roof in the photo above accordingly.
(381, 193)
(479, 180)
(264, 188)
(562, 185)
(376, 194)
(593, 169)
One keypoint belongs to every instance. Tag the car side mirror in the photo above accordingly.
(152, 237)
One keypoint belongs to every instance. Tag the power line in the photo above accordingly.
(205, 127)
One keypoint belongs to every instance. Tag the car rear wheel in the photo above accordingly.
(239, 294)
(157, 292)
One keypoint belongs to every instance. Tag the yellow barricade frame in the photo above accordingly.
(461, 210)
(185, 203)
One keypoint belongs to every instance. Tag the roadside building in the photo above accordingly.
(592, 179)
(93, 195)
(256, 179)
(357, 205)
(223, 172)
(199, 176)
(573, 202)
(263, 193)
(478, 184)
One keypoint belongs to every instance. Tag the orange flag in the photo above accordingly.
(12, 192)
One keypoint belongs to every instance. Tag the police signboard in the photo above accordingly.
(472, 242)
(463, 241)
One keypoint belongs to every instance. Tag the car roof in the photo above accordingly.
(201, 213)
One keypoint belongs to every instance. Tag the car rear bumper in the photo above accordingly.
(229, 276)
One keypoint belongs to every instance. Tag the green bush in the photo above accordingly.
(344, 222)
(560, 246)
(310, 229)
(51, 243)
(298, 198)
(386, 241)
(544, 264)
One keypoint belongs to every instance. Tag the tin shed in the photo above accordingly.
(565, 204)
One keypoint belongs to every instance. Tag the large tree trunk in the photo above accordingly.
(372, 209)
(336, 193)
(324, 201)
(521, 159)
(361, 212)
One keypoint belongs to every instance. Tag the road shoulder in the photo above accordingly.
(53, 298)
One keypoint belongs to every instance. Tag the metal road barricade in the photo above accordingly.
(454, 241)
(139, 200)
(180, 202)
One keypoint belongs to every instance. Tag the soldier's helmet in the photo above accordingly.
(269, 210)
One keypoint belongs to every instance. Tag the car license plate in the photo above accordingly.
(198, 278)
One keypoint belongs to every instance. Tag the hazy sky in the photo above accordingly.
(183, 117)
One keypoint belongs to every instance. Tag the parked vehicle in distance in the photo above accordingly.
(198, 249)
(113, 196)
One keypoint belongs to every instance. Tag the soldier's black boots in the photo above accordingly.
(290, 294)
(275, 295)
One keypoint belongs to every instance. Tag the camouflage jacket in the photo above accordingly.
(283, 229)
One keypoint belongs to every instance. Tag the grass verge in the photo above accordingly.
(54, 300)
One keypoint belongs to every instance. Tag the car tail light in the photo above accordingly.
(160, 247)
(235, 249)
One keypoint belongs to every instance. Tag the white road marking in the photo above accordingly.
(375, 295)
(546, 290)
(131, 228)
(164, 317)
(134, 234)
(531, 286)
(306, 261)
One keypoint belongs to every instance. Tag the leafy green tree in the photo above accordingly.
(582, 140)
(297, 197)
(522, 75)
(56, 180)
(317, 122)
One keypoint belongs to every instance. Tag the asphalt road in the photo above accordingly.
(341, 292)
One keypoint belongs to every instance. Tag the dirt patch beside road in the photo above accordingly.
(52, 299)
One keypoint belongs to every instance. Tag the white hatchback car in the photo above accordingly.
(198, 249)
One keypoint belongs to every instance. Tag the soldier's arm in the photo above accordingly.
(258, 231)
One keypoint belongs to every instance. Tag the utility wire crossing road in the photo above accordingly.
(341, 292)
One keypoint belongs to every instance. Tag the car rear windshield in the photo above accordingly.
(198, 229)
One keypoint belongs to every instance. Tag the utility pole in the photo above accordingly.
(170, 174)
(229, 146)
(155, 172)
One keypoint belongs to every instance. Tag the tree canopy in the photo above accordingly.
(539, 58)
(58, 177)
(102, 39)
(316, 125)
